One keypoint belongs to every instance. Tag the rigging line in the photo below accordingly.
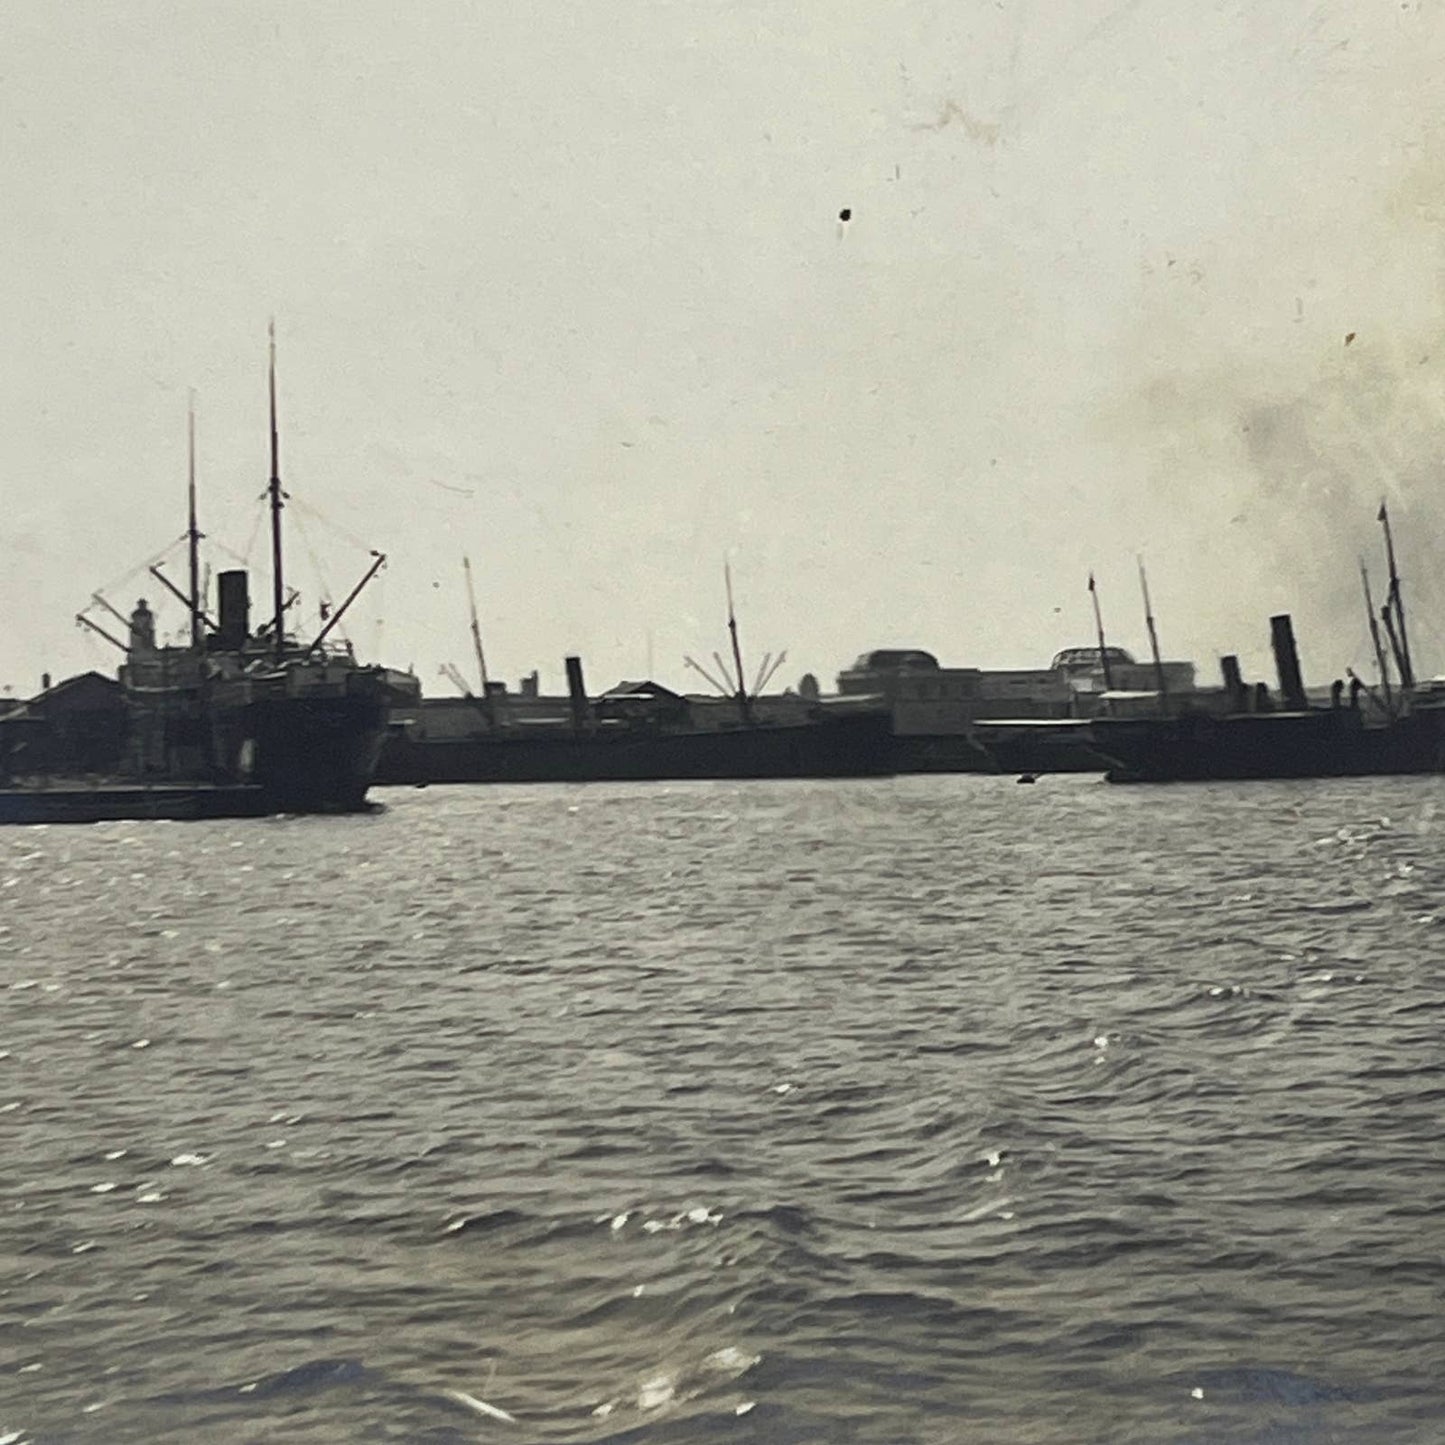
(153, 561)
(305, 536)
(324, 585)
(245, 558)
(230, 552)
(321, 517)
(226, 526)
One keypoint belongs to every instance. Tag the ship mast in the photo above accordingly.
(1397, 602)
(278, 590)
(1153, 640)
(1099, 630)
(744, 701)
(1375, 638)
(488, 709)
(193, 535)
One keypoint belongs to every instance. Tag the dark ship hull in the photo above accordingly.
(316, 754)
(851, 745)
(192, 757)
(1325, 743)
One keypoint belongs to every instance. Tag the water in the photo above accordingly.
(927, 1110)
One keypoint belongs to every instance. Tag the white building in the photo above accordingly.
(928, 698)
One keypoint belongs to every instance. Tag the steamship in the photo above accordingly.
(237, 723)
(635, 732)
(1397, 727)
(298, 726)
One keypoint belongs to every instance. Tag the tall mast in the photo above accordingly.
(1375, 638)
(193, 535)
(278, 591)
(744, 702)
(1153, 640)
(476, 626)
(1099, 629)
(1395, 600)
(487, 705)
(1387, 616)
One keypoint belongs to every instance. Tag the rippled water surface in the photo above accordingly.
(937, 1109)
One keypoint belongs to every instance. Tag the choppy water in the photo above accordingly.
(929, 1110)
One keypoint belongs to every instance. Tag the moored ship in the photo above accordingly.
(237, 723)
(1353, 735)
(1395, 729)
(214, 733)
(1336, 742)
(638, 732)
(303, 723)
(635, 732)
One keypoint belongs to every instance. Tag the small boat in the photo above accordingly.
(47, 801)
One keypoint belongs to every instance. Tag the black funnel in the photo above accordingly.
(235, 611)
(1286, 662)
(1233, 682)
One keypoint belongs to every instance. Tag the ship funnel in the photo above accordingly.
(1286, 662)
(1233, 682)
(577, 691)
(235, 611)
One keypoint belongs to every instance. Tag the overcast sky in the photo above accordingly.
(565, 288)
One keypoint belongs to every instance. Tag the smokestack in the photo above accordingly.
(1286, 662)
(1233, 682)
(577, 691)
(235, 611)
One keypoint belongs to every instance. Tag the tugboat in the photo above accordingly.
(234, 724)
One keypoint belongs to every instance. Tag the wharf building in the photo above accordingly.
(926, 697)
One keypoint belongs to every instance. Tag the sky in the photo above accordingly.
(565, 289)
